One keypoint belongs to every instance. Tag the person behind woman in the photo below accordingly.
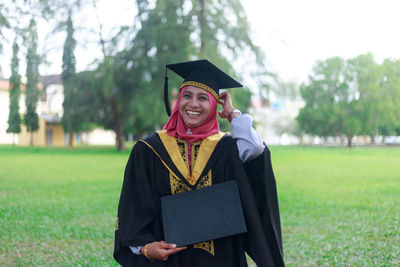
(191, 153)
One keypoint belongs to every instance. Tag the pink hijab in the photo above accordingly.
(176, 127)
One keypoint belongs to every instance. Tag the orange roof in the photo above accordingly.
(5, 85)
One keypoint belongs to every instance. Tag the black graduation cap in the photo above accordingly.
(202, 74)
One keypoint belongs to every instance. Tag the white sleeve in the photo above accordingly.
(136, 250)
(249, 141)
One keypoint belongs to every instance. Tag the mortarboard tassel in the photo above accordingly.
(166, 99)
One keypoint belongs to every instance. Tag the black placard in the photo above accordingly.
(204, 214)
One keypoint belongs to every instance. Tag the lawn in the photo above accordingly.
(338, 206)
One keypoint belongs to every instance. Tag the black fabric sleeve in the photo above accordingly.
(262, 180)
(136, 210)
(257, 188)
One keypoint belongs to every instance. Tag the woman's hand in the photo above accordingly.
(226, 102)
(161, 250)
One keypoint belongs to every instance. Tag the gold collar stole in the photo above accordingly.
(207, 146)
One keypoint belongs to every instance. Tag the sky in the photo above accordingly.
(293, 34)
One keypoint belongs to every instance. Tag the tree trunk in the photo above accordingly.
(118, 128)
(13, 139)
(349, 140)
(372, 139)
(31, 139)
(71, 138)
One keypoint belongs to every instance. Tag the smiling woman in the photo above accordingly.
(194, 106)
(191, 153)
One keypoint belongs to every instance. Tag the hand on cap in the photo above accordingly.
(226, 102)
(161, 250)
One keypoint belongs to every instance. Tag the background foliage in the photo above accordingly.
(352, 97)
(14, 118)
(343, 97)
(130, 71)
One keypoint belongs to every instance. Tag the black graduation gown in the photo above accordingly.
(149, 175)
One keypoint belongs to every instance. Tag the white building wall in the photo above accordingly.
(98, 137)
(54, 99)
(267, 119)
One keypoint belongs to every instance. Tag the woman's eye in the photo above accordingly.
(187, 96)
(203, 98)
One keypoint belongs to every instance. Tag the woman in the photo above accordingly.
(191, 153)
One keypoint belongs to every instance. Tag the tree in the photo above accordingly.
(131, 79)
(222, 29)
(68, 72)
(14, 15)
(364, 78)
(14, 119)
(4, 23)
(317, 116)
(331, 104)
(378, 87)
(222, 25)
(31, 119)
(87, 110)
(130, 87)
(113, 97)
(389, 122)
(115, 100)
(165, 34)
(170, 33)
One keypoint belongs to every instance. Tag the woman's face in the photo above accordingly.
(194, 106)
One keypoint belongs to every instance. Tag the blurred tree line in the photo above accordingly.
(19, 17)
(124, 90)
(351, 97)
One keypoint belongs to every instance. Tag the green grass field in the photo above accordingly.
(339, 207)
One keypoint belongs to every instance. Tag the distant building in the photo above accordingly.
(275, 120)
(50, 110)
(50, 131)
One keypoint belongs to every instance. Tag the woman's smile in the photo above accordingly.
(194, 113)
